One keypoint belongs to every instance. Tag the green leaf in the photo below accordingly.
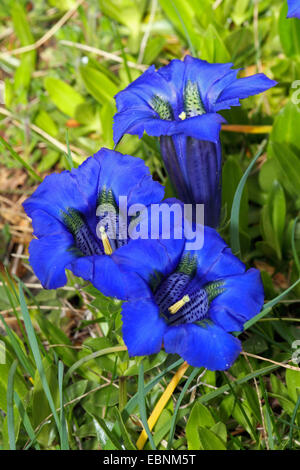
(209, 440)
(45, 122)
(63, 95)
(21, 25)
(200, 416)
(292, 378)
(285, 127)
(98, 84)
(289, 167)
(24, 71)
(212, 47)
(289, 33)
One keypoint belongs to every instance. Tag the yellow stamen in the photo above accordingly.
(180, 303)
(161, 404)
(182, 116)
(105, 241)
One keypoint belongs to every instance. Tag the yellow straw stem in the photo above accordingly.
(105, 241)
(161, 404)
(246, 129)
(180, 303)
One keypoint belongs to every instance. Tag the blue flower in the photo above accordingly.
(63, 210)
(293, 9)
(180, 102)
(192, 307)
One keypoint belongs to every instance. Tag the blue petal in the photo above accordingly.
(204, 127)
(205, 74)
(203, 346)
(204, 172)
(294, 9)
(77, 188)
(136, 122)
(226, 264)
(49, 258)
(128, 176)
(110, 277)
(131, 121)
(208, 255)
(244, 87)
(241, 300)
(150, 257)
(141, 91)
(143, 328)
(45, 225)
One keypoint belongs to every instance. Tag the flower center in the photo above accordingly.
(84, 238)
(193, 104)
(162, 108)
(180, 303)
(178, 297)
(110, 232)
(106, 245)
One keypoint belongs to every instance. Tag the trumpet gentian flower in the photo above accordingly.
(193, 304)
(63, 210)
(180, 103)
(293, 9)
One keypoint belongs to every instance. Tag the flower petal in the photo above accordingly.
(294, 9)
(128, 176)
(203, 346)
(49, 258)
(110, 277)
(242, 299)
(149, 258)
(143, 328)
(247, 86)
(77, 188)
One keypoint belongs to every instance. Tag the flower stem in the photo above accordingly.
(161, 404)
(122, 392)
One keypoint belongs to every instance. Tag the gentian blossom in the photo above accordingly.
(293, 9)
(63, 210)
(192, 304)
(180, 103)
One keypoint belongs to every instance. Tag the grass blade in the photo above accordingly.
(293, 418)
(235, 210)
(179, 400)
(10, 406)
(295, 254)
(268, 306)
(188, 38)
(63, 431)
(19, 159)
(26, 421)
(90, 357)
(37, 355)
(142, 405)
(17, 348)
(68, 155)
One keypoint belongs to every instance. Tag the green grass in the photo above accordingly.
(65, 357)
